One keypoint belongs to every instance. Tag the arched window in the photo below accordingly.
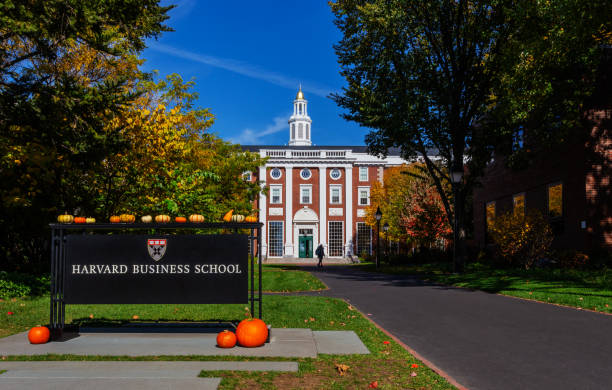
(307, 131)
(300, 131)
(293, 131)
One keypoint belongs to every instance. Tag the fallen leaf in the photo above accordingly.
(414, 365)
(351, 307)
(342, 368)
(91, 316)
(10, 313)
(580, 298)
(413, 373)
(373, 385)
(135, 317)
(530, 293)
(606, 305)
(342, 324)
(13, 299)
(22, 304)
(312, 319)
(331, 322)
(385, 342)
(305, 320)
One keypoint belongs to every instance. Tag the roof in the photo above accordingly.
(355, 149)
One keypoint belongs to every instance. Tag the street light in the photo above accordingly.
(378, 216)
(386, 229)
(456, 177)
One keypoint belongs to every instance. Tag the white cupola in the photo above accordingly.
(299, 122)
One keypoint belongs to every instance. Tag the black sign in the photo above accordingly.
(156, 269)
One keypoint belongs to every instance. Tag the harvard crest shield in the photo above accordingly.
(157, 248)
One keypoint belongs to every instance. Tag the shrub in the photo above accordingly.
(521, 239)
(572, 259)
(13, 284)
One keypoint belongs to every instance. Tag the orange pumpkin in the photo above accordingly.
(162, 218)
(228, 216)
(127, 218)
(251, 218)
(80, 219)
(196, 218)
(226, 339)
(252, 332)
(39, 335)
(115, 219)
(180, 219)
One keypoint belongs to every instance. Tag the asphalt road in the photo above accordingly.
(484, 341)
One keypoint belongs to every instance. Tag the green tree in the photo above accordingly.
(432, 75)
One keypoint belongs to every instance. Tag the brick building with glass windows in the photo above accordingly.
(316, 194)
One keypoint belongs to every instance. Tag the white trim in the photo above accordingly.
(335, 186)
(335, 169)
(305, 170)
(288, 211)
(349, 211)
(344, 236)
(276, 178)
(268, 238)
(276, 187)
(309, 188)
(367, 174)
(359, 189)
(262, 211)
(315, 234)
(322, 206)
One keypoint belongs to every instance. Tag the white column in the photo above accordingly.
(349, 211)
(289, 212)
(263, 213)
(323, 206)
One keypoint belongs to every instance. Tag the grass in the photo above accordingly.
(279, 278)
(388, 364)
(584, 289)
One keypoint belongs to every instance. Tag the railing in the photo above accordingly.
(276, 153)
(306, 153)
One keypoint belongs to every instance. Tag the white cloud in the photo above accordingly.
(252, 137)
(242, 68)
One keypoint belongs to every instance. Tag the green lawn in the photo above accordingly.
(279, 278)
(586, 289)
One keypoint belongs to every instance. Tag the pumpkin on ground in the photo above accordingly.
(115, 219)
(90, 220)
(180, 219)
(237, 218)
(251, 218)
(39, 335)
(226, 339)
(252, 332)
(80, 219)
(162, 218)
(65, 218)
(146, 219)
(127, 218)
(228, 216)
(196, 218)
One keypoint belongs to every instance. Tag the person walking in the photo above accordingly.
(320, 252)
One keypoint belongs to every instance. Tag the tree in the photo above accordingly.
(433, 75)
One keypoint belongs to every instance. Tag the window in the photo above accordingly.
(364, 196)
(363, 173)
(293, 131)
(364, 239)
(275, 238)
(307, 131)
(275, 173)
(490, 214)
(335, 174)
(518, 204)
(305, 194)
(335, 238)
(305, 174)
(335, 192)
(555, 200)
(276, 194)
(300, 130)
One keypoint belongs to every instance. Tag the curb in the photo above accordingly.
(428, 363)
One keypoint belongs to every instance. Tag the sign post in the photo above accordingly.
(136, 268)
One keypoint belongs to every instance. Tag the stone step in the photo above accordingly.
(109, 383)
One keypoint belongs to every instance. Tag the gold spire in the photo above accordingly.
(300, 94)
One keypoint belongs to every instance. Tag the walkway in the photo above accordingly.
(484, 341)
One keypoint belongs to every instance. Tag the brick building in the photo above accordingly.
(571, 185)
(316, 194)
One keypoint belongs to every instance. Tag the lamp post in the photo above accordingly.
(456, 177)
(378, 216)
(386, 229)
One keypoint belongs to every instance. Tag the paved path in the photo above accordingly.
(484, 341)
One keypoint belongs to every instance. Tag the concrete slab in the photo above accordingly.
(283, 343)
(108, 383)
(339, 342)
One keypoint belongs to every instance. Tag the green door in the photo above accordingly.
(306, 246)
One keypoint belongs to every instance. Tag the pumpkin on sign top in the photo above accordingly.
(252, 332)
(226, 339)
(90, 220)
(39, 335)
(196, 218)
(127, 218)
(80, 219)
(237, 218)
(115, 219)
(162, 218)
(65, 218)
(180, 219)
(251, 218)
(228, 216)
(146, 219)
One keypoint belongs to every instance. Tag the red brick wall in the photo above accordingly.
(314, 194)
(271, 181)
(342, 182)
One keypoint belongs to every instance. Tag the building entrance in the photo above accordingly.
(305, 243)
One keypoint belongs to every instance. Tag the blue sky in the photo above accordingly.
(248, 59)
